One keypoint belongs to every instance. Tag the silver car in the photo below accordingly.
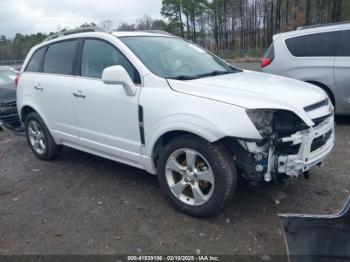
(319, 55)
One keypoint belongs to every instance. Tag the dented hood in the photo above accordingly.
(254, 90)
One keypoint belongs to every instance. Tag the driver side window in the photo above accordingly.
(98, 55)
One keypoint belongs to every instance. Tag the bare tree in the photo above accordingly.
(107, 24)
(145, 23)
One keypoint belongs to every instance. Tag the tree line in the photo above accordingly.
(17, 48)
(246, 26)
(230, 28)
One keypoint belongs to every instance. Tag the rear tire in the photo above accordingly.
(199, 178)
(39, 138)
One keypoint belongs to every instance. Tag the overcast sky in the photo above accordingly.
(32, 16)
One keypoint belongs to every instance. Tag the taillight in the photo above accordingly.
(17, 79)
(266, 61)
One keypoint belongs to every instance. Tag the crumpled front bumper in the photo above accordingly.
(315, 143)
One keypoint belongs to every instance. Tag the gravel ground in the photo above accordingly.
(82, 204)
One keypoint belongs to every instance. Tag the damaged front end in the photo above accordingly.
(289, 147)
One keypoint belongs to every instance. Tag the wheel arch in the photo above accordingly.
(25, 111)
(28, 108)
(162, 139)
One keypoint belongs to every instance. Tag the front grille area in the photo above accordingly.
(11, 120)
(9, 105)
(317, 105)
(9, 115)
(320, 120)
(286, 149)
(321, 141)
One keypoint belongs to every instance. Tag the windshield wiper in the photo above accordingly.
(213, 73)
(183, 77)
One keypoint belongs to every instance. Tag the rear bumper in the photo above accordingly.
(315, 145)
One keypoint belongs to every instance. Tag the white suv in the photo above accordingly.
(165, 105)
(319, 55)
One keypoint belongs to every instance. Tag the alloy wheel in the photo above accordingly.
(36, 137)
(189, 177)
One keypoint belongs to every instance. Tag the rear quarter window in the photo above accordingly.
(270, 53)
(35, 62)
(313, 45)
(60, 57)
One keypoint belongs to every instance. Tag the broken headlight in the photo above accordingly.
(282, 122)
(263, 120)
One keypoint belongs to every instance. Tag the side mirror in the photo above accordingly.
(117, 75)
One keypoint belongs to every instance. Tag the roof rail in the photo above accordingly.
(323, 25)
(156, 32)
(76, 31)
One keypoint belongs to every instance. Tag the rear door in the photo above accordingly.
(312, 57)
(342, 68)
(54, 89)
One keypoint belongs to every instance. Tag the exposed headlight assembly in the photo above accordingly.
(263, 120)
(268, 121)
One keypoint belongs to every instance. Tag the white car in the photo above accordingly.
(319, 55)
(167, 106)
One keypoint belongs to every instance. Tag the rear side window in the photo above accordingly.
(36, 60)
(270, 53)
(322, 44)
(344, 44)
(98, 55)
(59, 58)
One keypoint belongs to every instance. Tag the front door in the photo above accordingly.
(107, 118)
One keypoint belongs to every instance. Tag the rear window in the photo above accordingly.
(321, 44)
(59, 58)
(344, 44)
(36, 60)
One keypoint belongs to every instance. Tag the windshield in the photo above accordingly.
(175, 58)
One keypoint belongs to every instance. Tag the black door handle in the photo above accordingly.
(39, 88)
(79, 95)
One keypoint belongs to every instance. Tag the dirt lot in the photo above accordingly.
(82, 204)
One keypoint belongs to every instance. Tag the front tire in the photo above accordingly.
(39, 138)
(198, 177)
